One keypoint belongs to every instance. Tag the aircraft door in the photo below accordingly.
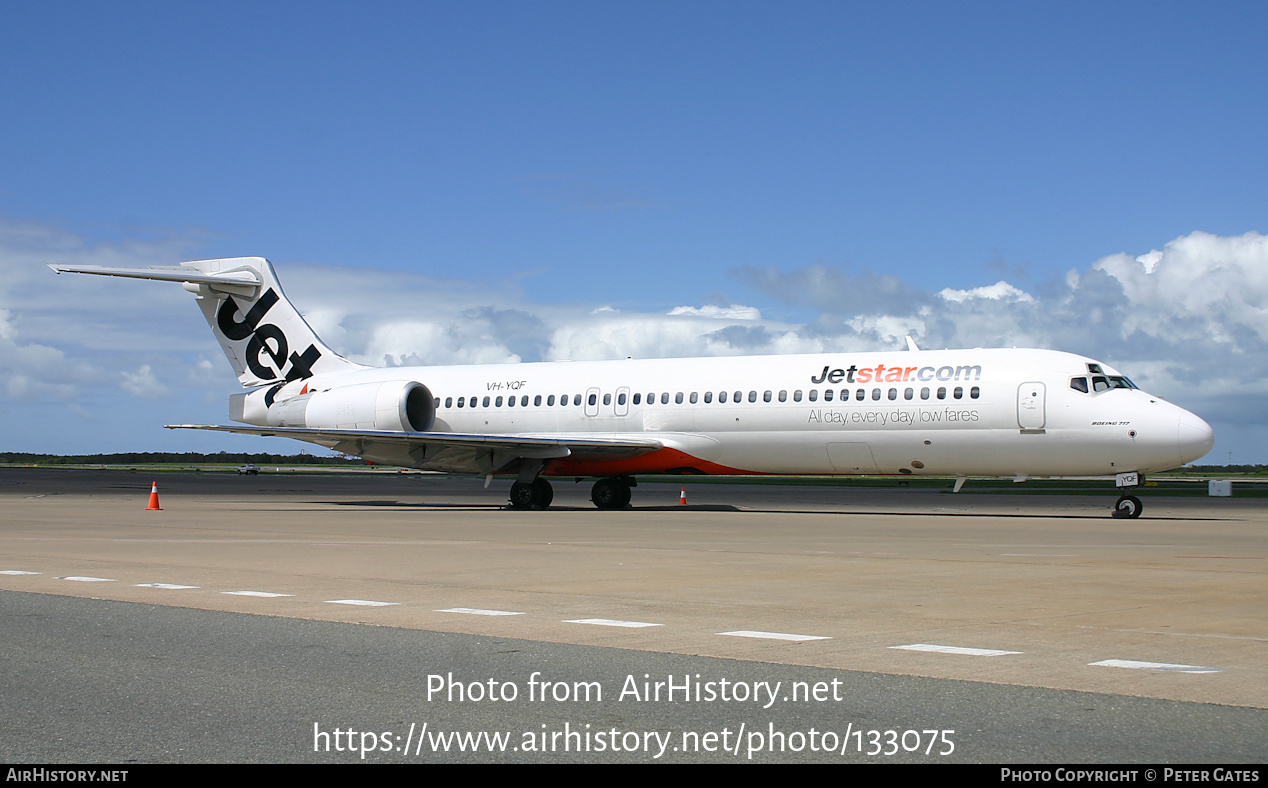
(1030, 406)
(592, 402)
(623, 401)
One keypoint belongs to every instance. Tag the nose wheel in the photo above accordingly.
(1128, 507)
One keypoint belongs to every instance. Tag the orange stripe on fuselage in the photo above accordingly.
(659, 461)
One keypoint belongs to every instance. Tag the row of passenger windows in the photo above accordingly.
(722, 397)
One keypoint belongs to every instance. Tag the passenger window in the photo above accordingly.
(694, 397)
(827, 395)
(448, 402)
(708, 397)
(814, 395)
(499, 402)
(909, 393)
(620, 398)
(510, 402)
(752, 396)
(797, 395)
(664, 398)
(537, 401)
(550, 401)
(783, 395)
(638, 398)
(524, 401)
(461, 400)
(678, 398)
(942, 392)
(766, 396)
(592, 399)
(737, 397)
(924, 393)
(721, 397)
(959, 392)
(860, 395)
(576, 399)
(607, 399)
(974, 392)
(893, 393)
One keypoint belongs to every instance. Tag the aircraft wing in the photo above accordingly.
(448, 451)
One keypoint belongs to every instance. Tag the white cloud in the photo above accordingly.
(1188, 321)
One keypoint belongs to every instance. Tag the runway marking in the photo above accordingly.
(1163, 666)
(972, 652)
(18, 572)
(1040, 555)
(169, 586)
(475, 611)
(749, 633)
(608, 622)
(89, 579)
(362, 602)
(254, 593)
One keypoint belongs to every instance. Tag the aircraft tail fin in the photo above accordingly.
(263, 335)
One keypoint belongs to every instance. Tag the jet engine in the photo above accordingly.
(397, 405)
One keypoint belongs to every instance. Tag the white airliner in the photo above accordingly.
(961, 413)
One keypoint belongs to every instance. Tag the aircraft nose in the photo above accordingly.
(1193, 437)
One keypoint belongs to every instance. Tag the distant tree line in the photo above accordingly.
(1259, 469)
(174, 458)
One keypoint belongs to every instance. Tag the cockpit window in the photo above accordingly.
(1099, 383)
(1120, 382)
(1079, 384)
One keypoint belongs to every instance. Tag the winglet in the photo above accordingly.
(911, 343)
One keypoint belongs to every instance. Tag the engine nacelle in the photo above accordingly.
(397, 405)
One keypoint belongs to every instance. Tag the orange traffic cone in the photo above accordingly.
(154, 506)
(682, 497)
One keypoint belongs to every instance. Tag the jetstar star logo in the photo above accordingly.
(266, 342)
(883, 374)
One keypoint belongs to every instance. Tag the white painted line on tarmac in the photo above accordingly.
(168, 586)
(18, 572)
(362, 602)
(1164, 666)
(608, 622)
(254, 593)
(972, 652)
(749, 633)
(475, 611)
(89, 579)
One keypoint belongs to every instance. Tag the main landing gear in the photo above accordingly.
(612, 492)
(536, 494)
(1128, 506)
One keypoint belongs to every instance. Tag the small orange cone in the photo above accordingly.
(682, 497)
(154, 506)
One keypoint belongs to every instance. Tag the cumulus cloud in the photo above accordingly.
(1188, 321)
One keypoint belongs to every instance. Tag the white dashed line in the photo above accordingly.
(972, 652)
(362, 602)
(475, 611)
(254, 593)
(18, 572)
(168, 586)
(608, 622)
(1163, 666)
(748, 633)
(89, 579)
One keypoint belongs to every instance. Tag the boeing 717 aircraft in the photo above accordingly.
(961, 413)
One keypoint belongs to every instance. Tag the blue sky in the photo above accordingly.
(822, 164)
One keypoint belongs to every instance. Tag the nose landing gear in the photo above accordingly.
(1128, 506)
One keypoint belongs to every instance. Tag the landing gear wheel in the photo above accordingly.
(611, 493)
(1129, 507)
(531, 495)
(543, 493)
(522, 495)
